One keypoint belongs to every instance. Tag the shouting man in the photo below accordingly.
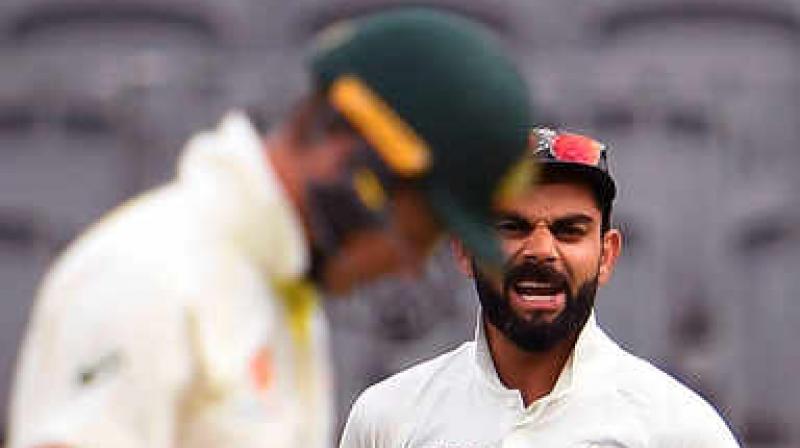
(541, 373)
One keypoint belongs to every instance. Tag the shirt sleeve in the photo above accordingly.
(100, 366)
(708, 432)
(697, 425)
(374, 421)
(359, 431)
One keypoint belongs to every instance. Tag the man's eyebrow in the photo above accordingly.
(510, 215)
(576, 218)
(573, 218)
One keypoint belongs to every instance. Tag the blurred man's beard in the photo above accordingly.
(534, 334)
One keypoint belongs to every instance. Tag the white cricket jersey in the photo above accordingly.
(604, 397)
(179, 320)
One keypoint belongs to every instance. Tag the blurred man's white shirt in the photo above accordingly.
(604, 397)
(177, 320)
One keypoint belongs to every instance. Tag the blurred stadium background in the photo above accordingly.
(699, 99)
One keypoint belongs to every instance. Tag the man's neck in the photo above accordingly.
(287, 166)
(533, 374)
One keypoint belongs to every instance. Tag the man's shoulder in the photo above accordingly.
(133, 225)
(385, 411)
(147, 244)
(410, 385)
(644, 383)
(394, 397)
(669, 410)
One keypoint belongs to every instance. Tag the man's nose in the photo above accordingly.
(540, 245)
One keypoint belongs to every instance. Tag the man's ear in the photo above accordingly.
(299, 124)
(462, 256)
(612, 246)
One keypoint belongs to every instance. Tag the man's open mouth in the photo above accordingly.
(532, 290)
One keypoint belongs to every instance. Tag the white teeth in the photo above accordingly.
(538, 298)
(532, 284)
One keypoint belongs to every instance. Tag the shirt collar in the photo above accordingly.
(575, 370)
(249, 203)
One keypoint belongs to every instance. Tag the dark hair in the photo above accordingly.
(605, 209)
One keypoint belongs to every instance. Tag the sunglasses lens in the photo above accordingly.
(369, 190)
(577, 149)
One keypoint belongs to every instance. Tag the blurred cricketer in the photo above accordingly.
(188, 316)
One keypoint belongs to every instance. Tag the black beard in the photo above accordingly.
(335, 214)
(533, 335)
(316, 267)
